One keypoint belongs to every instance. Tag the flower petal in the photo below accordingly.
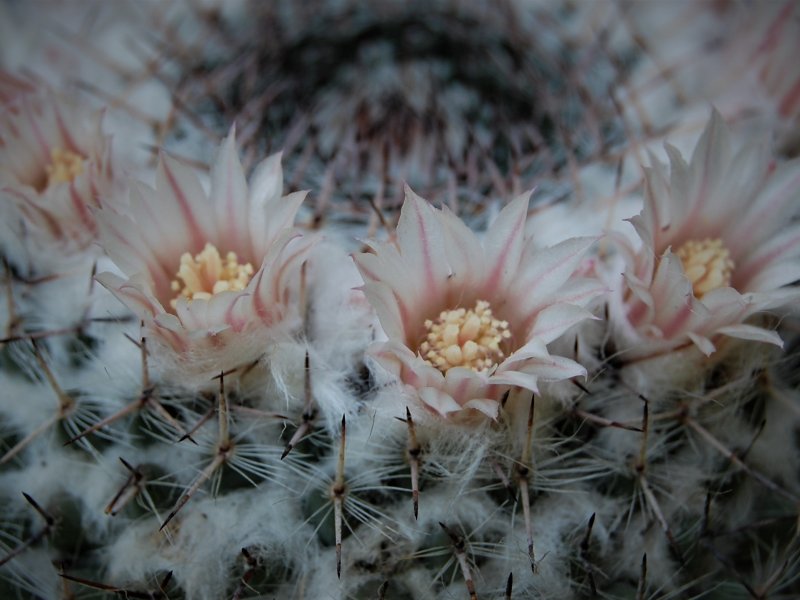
(405, 365)
(230, 198)
(547, 269)
(185, 205)
(775, 298)
(132, 292)
(525, 380)
(139, 249)
(438, 400)
(504, 242)
(488, 407)
(708, 165)
(464, 253)
(657, 212)
(549, 368)
(545, 273)
(212, 315)
(269, 213)
(775, 206)
(463, 384)
(750, 332)
(419, 235)
(556, 319)
(266, 183)
(387, 307)
(703, 343)
(386, 267)
(672, 293)
(278, 276)
(782, 248)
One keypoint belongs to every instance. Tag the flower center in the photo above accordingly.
(465, 338)
(65, 166)
(206, 274)
(707, 264)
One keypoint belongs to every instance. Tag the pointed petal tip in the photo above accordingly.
(715, 115)
(702, 343)
(412, 196)
(524, 196)
(227, 147)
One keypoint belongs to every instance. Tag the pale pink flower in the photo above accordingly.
(209, 273)
(55, 164)
(718, 245)
(466, 320)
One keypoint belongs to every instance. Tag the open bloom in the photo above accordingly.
(208, 272)
(55, 164)
(466, 320)
(718, 245)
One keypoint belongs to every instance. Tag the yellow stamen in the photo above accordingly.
(65, 166)
(207, 274)
(465, 338)
(707, 264)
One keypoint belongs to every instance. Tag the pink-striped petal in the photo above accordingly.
(544, 274)
(672, 294)
(405, 365)
(708, 165)
(419, 235)
(657, 213)
(132, 292)
(504, 242)
(775, 205)
(387, 267)
(553, 321)
(781, 251)
(185, 204)
(462, 384)
(464, 253)
(230, 198)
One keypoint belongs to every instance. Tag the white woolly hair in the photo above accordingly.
(243, 519)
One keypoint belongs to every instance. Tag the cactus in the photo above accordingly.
(215, 390)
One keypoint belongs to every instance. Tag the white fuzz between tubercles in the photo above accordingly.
(241, 520)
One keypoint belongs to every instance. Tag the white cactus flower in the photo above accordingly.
(466, 320)
(718, 246)
(208, 271)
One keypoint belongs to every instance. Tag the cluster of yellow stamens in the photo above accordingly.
(707, 264)
(206, 274)
(65, 166)
(465, 338)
